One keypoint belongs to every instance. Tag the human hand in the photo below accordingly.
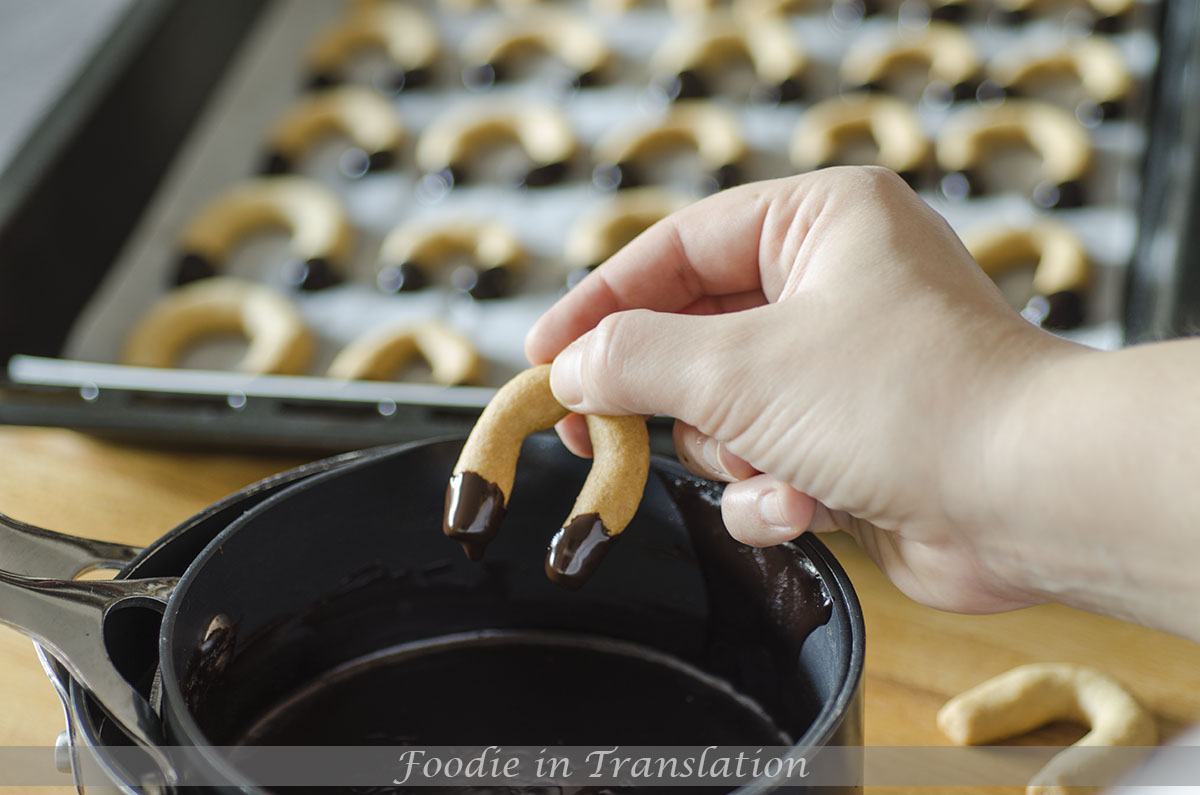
(830, 348)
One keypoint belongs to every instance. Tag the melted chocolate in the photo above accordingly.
(771, 586)
(516, 688)
(577, 549)
(474, 511)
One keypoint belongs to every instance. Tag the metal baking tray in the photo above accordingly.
(112, 143)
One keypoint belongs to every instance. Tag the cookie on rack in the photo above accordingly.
(366, 119)
(412, 254)
(712, 131)
(278, 340)
(828, 131)
(322, 237)
(446, 147)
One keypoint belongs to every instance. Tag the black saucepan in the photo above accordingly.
(276, 629)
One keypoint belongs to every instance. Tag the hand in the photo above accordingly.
(830, 348)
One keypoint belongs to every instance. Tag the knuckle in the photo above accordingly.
(612, 349)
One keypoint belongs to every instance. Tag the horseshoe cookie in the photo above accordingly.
(513, 6)
(571, 39)
(1097, 63)
(688, 60)
(414, 251)
(378, 355)
(603, 231)
(1063, 143)
(403, 32)
(1061, 275)
(826, 129)
(543, 132)
(947, 50)
(482, 481)
(361, 115)
(1029, 696)
(1110, 11)
(279, 342)
(710, 129)
(322, 237)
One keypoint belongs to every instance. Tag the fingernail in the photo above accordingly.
(711, 450)
(770, 509)
(566, 378)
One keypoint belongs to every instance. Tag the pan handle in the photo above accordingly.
(67, 618)
(30, 551)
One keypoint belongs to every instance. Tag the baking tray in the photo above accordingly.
(175, 57)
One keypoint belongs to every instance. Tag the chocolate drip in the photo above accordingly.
(474, 511)
(577, 549)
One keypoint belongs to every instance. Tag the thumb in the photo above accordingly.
(644, 362)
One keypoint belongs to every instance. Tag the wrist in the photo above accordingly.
(1000, 470)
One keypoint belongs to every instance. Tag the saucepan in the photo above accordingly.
(324, 607)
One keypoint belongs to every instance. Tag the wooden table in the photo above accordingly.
(916, 657)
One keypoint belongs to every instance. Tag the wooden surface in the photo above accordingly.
(916, 657)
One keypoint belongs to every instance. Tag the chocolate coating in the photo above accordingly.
(545, 175)
(482, 285)
(577, 549)
(320, 80)
(405, 277)
(312, 274)
(1063, 310)
(480, 77)
(474, 510)
(192, 268)
(276, 163)
(405, 80)
(1063, 195)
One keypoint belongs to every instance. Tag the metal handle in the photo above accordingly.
(30, 551)
(67, 618)
(39, 598)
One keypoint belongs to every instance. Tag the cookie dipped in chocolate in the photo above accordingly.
(482, 480)
(577, 549)
(474, 510)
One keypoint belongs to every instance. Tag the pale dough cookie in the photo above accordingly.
(482, 481)
(1110, 11)
(711, 130)
(830, 126)
(605, 229)
(1096, 62)
(1030, 696)
(490, 49)
(948, 51)
(413, 252)
(380, 354)
(363, 116)
(403, 32)
(322, 237)
(689, 59)
(1062, 142)
(456, 136)
(1062, 271)
(278, 340)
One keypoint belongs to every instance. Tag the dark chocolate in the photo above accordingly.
(545, 175)
(276, 163)
(480, 76)
(1063, 195)
(403, 278)
(1059, 311)
(482, 285)
(577, 549)
(406, 80)
(312, 274)
(474, 510)
(193, 267)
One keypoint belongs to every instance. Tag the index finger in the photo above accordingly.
(691, 259)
